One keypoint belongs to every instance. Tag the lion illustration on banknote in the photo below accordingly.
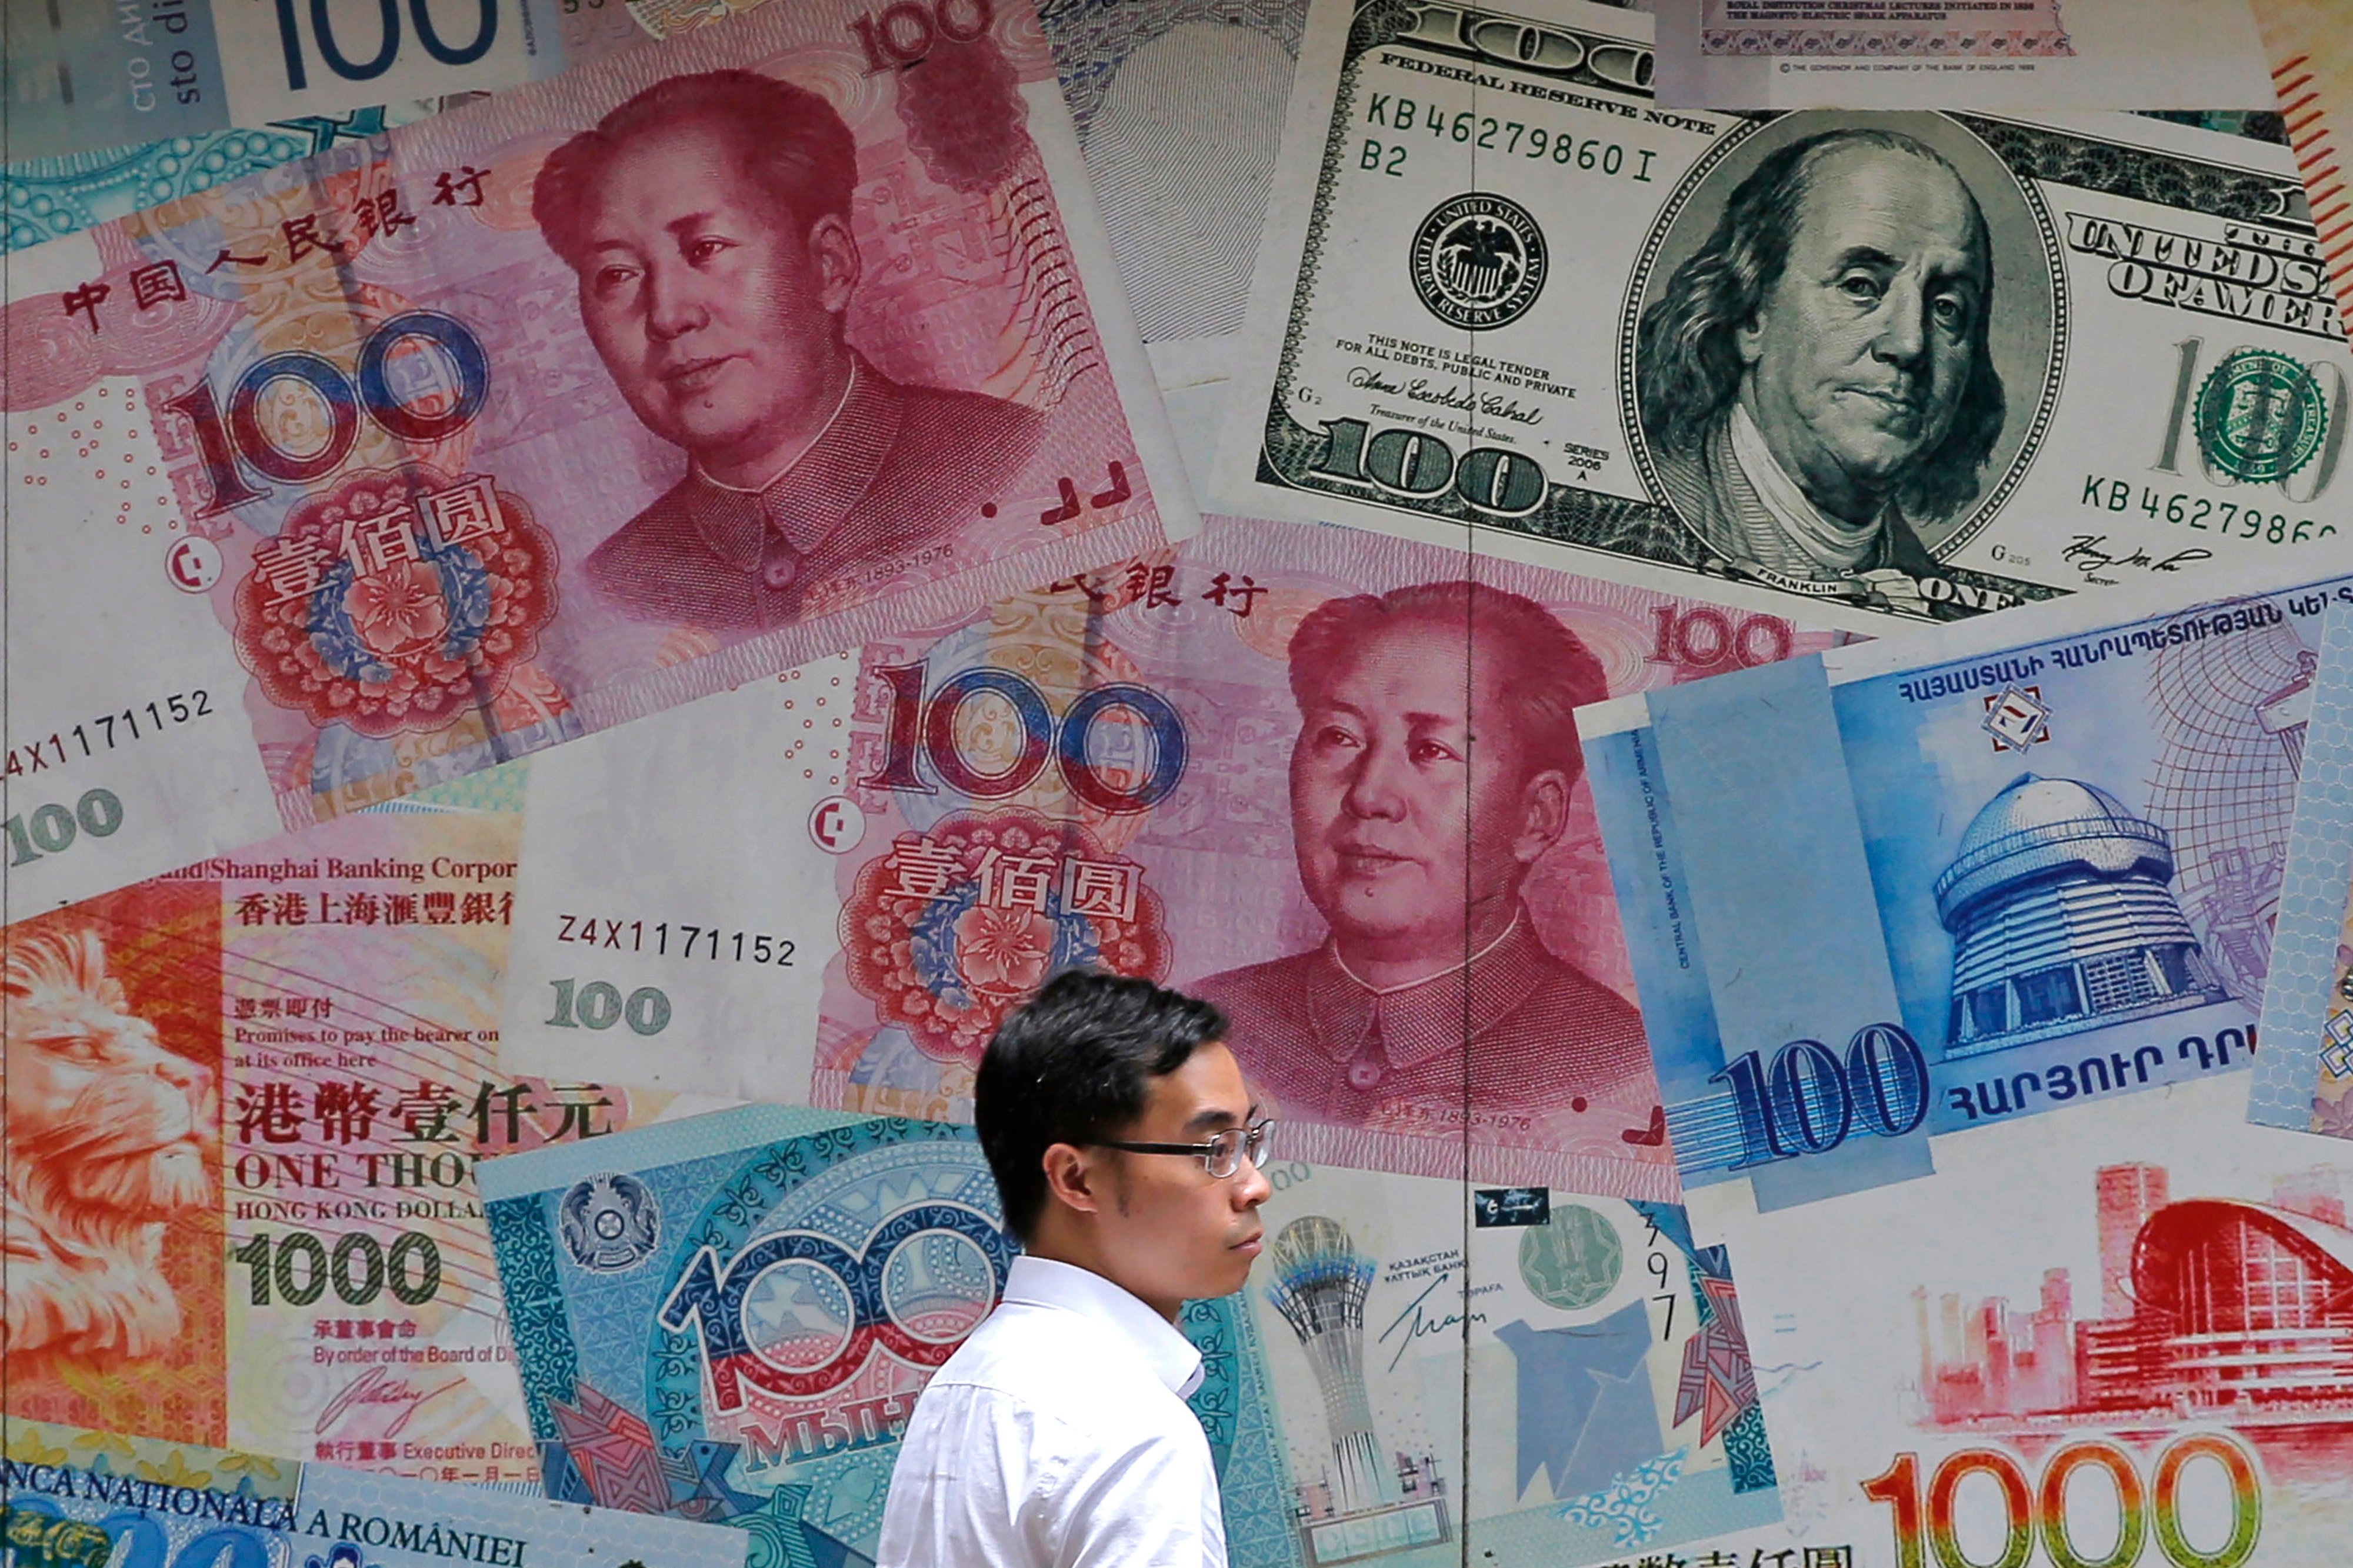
(106, 1135)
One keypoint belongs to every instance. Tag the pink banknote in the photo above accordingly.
(442, 448)
(245, 1104)
(1264, 767)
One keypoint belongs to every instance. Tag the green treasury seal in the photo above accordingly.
(1477, 261)
(2261, 415)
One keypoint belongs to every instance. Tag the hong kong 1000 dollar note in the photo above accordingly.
(441, 446)
(73, 1497)
(734, 1314)
(2106, 1336)
(1243, 768)
(1882, 901)
(245, 1100)
(1891, 365)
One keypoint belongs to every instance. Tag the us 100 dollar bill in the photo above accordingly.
(1881, 901)
(444, 446)
(1244, 769)
(246, 1101)
(1891, 365)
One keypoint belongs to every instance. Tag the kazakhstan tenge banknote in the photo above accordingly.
(732, 1317)
(1241, 768)
(1885, 365)
(71, 1498)
(244, 1102)
(2111, 1335)
(1881, 901)
(444, 446)
(2303, 1078)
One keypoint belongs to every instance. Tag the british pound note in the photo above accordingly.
(246, 1101)
(1881, 901)
(442, 448)
(1506, 293)
(2109, 1335)
(733, 1315)
(72, 1496)
(1959, 54)
(1241, 768)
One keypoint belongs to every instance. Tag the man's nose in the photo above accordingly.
(1902, 321)
(1373, 786)
(1251, 1187)
(673, 301)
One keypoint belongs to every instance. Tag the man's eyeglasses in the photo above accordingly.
(1222, 1156)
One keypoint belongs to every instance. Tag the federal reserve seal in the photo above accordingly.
(2261, 415)
(1477, 261)
(610, 1223)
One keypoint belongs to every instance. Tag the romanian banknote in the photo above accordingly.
(245, 1104)
(1504, 293)
(2107, 1335)
(2304, 1075)
(70, 1496)
(1242, 768)
(339, 479)
(1881, 901)
(1959, 54)
(733, 1315)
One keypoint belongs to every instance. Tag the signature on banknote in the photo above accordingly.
(2090, 552)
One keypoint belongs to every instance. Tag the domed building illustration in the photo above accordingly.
(2060, 906)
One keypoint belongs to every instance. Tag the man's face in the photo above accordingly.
(1174, 1233)
(1382, 787)
(1859, 355)
(719, 322)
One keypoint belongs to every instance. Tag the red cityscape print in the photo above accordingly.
(2207, 1308)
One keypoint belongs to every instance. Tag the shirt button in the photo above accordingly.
(778, 571)
(1363, 1073)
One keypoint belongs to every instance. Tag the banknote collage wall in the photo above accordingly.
(1725, 636)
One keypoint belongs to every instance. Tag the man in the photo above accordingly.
(708, 221)
(1126, 1150)
(1413, 843)
(1816, 381)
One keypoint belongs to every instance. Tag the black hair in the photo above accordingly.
(1073, 1066)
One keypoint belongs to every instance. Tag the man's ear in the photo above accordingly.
(833, 253)
(1073, 1179)
(1543, 814)
(1748, 337)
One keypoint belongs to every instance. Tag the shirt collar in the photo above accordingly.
(1422, 1021)
(1828, 541)
(815, 490)
(1063, 1287)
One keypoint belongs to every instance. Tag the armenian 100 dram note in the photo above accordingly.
(245, 1100)
(443, 447)
(1890, 896)
(1243, 768)
(1502, 289)
(82, 1498)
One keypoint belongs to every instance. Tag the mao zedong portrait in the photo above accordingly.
(1414, 844)
(708, 220)
(1815, 380)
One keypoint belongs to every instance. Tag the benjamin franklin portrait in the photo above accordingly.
(1841, 345)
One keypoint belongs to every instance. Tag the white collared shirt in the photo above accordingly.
(1058, 1436)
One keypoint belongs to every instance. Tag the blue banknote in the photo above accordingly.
(729, 1319)
(1893, 892)
(76, 1499)
(2303, 1080)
